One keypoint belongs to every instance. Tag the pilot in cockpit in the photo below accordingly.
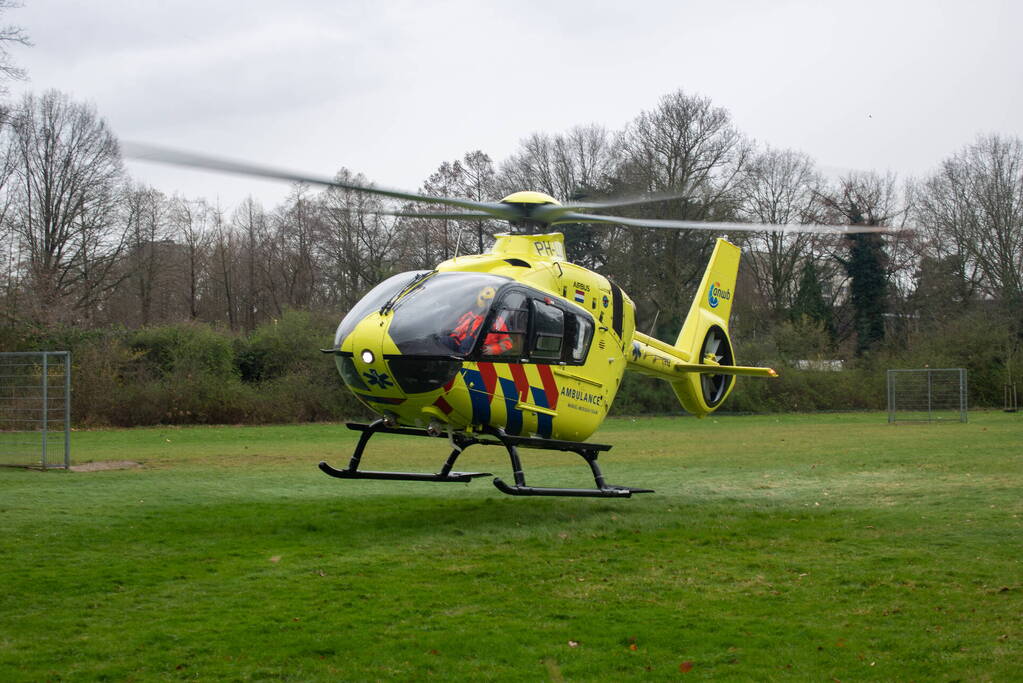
(497, 341)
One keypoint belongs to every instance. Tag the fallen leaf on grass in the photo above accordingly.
(573, 643)
(685, 667)
(633, 647)
(275, 559)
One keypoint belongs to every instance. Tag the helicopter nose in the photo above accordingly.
(366, 346)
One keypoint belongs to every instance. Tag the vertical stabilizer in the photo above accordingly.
(704, 336)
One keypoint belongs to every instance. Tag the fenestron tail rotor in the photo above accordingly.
(534, 209)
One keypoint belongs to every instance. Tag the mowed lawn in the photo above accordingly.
(809, 547)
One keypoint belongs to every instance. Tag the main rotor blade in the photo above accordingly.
(720, 226)
(550, 212)
(454, 215)
(164, 155)
(614, 202)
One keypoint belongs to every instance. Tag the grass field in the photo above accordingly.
(810, 547)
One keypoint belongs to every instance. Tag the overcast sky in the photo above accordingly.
(392, 89)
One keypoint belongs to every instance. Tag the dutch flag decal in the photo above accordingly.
(580, 296)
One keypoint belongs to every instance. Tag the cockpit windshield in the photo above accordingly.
(376, 298)
(444, 315)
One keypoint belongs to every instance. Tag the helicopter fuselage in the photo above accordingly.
(517, 338)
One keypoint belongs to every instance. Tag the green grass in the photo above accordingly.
(781, 547)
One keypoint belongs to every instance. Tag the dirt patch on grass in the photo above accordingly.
(105, 465)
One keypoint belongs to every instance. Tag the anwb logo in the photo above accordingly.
(714, 292)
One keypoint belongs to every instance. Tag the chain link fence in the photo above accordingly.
(927, 395)
(35, 409)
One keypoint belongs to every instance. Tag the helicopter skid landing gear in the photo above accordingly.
(588, 451)
(461, 441)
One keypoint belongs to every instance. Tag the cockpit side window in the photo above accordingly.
(526, 326)
(507, 328)
(549, 332)
(580, 336)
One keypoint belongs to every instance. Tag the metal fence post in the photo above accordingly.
(930, 395)
(46, 399)
(891, 397)
(67, 410)
(963, 396)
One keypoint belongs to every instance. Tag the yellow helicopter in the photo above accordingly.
(517, 347)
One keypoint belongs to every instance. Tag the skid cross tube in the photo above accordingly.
(460, 441)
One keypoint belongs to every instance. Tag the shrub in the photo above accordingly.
(184, 349)
(288, 345)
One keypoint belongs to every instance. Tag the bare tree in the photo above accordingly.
(972, 213)
(190, 221)
(440, 234)
(145, 212)
(562, 165)
(65, 182)
(10, 35)
(296, 223)
(684, 144)
(478, 181)
(224, 285)
(250, 220)
(357, 245)
(438, 239)
(12, 257)
(779, 187)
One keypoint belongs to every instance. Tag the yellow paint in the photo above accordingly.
(530, 197)
(549, 247)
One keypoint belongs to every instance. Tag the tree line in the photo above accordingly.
(84, 245)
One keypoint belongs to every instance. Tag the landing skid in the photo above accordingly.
(491, 437)
(459, 443)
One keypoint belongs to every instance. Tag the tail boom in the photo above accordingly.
(654, 358)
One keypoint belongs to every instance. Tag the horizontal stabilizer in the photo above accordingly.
(710, 369)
